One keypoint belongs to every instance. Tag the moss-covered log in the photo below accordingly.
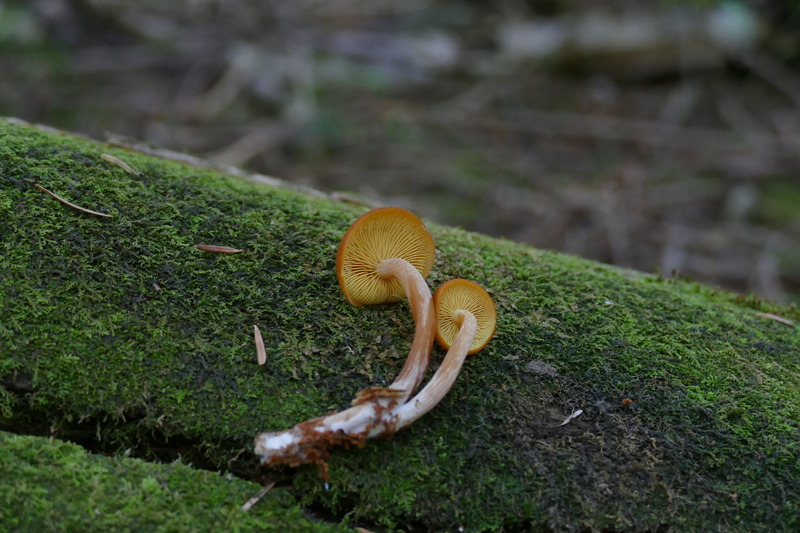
(51, 485)
(120, 335)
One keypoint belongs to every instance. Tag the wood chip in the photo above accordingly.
(261, 352)
(218, 249)
(776, 318)
(254, 500)
(79, 208)
(121, 164)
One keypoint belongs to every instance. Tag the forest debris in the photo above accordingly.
(773, 71)
(79, 208)
(261, 352)
(575, 414)
(121, 164)
(260, 494)
(776, 318)
(218, 249)
(638, 41)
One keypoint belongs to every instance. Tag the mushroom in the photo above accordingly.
(386, 254)
(465, 322)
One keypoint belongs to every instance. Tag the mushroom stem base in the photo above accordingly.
(377, 412)
(311, 441)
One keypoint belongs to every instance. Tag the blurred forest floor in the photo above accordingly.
(658, 135)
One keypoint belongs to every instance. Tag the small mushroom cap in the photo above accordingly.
(456, 296)
(383, 233)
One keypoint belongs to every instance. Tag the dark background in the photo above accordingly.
(663, 136)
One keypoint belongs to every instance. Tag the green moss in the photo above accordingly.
(50, 485)
(118, 333)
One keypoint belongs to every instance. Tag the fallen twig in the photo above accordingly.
(79, 208)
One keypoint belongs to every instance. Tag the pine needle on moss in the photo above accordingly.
(66, 202)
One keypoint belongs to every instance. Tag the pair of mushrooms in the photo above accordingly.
(386, 254)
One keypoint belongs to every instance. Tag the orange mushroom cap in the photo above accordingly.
(456, 296)
(380, 234)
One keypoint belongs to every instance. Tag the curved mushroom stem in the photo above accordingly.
(442, 381)
(373, 411)
(376, 412)
(421, 303)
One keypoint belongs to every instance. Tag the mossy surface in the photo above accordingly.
(118, 333)
(51, 485)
